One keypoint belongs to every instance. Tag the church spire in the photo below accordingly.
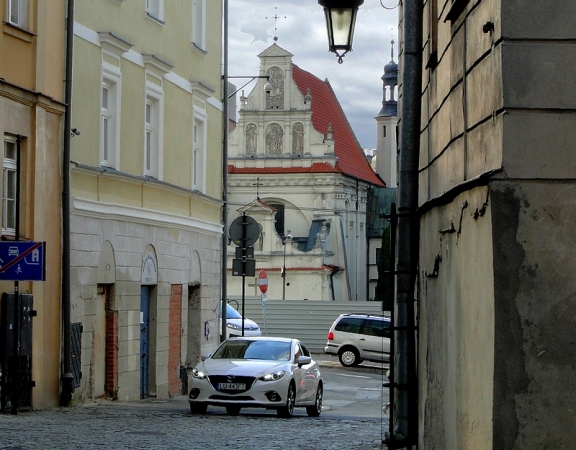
(390, 87)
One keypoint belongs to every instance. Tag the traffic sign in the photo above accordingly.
(263, 281)
(244, 231)
(22, 261)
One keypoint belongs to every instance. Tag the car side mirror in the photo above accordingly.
(303, 360)
(205, 357)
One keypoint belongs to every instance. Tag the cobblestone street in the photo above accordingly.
(168, 424)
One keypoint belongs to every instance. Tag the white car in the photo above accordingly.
(234, 324)
(258, 372)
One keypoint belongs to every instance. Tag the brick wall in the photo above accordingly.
(111, 376)
(174, 340)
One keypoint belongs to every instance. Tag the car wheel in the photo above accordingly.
(316, 409)
(288, 410)
(198, 408)
(349, 357)
(233, 410)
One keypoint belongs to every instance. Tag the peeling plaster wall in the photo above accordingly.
(456, 311)
(535, 300)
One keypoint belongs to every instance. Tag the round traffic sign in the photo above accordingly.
(244, 231)
(263, 281)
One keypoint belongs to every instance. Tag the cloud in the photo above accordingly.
(301, 30)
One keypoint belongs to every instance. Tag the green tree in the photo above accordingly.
(385, 284)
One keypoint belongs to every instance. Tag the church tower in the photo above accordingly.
(387, 125)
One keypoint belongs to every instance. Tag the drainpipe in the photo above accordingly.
(405, 416)
(225, 124)
(333, 271)
(67, 377)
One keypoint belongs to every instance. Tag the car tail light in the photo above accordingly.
(330, 336)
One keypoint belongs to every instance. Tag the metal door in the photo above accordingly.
(144, 339)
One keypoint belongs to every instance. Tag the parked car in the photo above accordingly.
(261, 372)
(359, 337)
(234, 324)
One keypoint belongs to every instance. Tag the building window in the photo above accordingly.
(110, 117)
(9, 187)
(384, 131)
(155, 9)
(18, 13)
(199, 23)
(198, 151)
(153, 134)
(279, 207)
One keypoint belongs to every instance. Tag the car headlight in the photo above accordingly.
(233, 326)
(197, 374)
(273, 376)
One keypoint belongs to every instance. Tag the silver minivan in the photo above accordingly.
(359, 337)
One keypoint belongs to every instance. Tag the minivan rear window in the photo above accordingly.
(349, 325)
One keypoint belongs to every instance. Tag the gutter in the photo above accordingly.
(67, 379)
(404, 419)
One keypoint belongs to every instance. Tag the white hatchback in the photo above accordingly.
(234, 324)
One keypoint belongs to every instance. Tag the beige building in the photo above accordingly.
(497, 198)
(31, 125)
(146, 193)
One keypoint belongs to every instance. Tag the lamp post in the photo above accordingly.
(340, 21)
(284, 239)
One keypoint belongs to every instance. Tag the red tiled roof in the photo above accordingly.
(327, 110)
(315, 168)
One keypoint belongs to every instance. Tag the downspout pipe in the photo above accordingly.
(67, 378)
(225, 125)
(405, 416)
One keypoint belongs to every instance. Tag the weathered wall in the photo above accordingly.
(535, 299)
(456, 324)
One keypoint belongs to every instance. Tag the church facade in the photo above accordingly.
(295, 166)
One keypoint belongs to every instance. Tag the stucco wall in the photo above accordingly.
(456, 324)
(535, 300)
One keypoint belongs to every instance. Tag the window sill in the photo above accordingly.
(200, 49)
(155, 19)
(17, 32)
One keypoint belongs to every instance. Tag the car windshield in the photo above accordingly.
(257, 349)
(231, 313)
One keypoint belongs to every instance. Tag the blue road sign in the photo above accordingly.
(22, 261)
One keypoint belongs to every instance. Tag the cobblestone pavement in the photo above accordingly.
(168, 424)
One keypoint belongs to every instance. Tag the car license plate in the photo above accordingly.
(232, 386)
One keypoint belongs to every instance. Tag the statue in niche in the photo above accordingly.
(274, 139)
(298, 139)
(251, 140)
(275, 98)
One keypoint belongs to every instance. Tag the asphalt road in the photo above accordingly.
(351, 419)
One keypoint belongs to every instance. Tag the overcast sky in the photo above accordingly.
(301, 30)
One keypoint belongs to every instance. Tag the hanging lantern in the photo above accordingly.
(340, 21)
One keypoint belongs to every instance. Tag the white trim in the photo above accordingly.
(112, 76)
(155, 94)
(108, 211)
(136, 58)
(200, 119)
(199, 41)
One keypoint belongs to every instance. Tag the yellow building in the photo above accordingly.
(146, 185)
(31, 118)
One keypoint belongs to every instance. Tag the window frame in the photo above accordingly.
(154, 130)
(22, 13)
(199, 140)
(199, 24)
(9, 165)
(110, 147)
(155, 10)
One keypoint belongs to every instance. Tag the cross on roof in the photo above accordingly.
(276, 17)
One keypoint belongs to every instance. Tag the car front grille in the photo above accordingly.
(215, 380)
(244, 398)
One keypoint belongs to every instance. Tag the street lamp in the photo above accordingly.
(284, 239)
(340, 21)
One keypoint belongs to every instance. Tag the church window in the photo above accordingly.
(279, 207)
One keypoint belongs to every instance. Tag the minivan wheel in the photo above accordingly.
(349, 357)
